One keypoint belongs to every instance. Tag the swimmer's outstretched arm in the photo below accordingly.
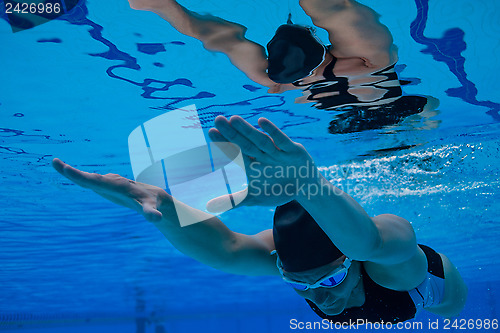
(211, 242)
(216, 34)
(385, 241)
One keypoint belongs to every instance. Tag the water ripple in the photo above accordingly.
(448, 49)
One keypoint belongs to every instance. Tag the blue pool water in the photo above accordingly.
(74, 88)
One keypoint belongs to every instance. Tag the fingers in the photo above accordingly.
(220, 144)
(230, 134)
(281, 140)
(58, 165)
(80, 178)
(220, 204)
(261, 140)
(116, 189)
(215, 135)
(225, 202)
(150, 212)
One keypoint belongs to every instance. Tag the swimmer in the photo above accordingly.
(344, 263)
(361, 44)
(356, 70)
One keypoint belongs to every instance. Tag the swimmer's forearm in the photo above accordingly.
(341, 217)
(212, 243)
(187, 22)
(209, 242)
(182, 19)
(216, 34)
(325, 7)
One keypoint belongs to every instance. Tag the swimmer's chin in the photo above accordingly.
(332, 310)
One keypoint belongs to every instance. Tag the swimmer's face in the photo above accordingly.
(331, 301)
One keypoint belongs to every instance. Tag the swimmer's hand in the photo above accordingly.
(146, 199)
(275, 165)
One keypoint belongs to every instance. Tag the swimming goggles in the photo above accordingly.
(331, 280)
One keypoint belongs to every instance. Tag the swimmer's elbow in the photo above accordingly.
(450, 310)
(250, 255)
(455, 292)
(396, 240)
(224, 40)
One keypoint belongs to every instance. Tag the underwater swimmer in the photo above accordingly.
(356, 71)
(346, 264)
(361, 44)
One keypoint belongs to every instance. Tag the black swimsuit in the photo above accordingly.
(382, 304)
(334, 84)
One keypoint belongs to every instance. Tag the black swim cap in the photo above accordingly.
(293, 53)
(300, 242)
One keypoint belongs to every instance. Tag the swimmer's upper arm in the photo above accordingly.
(251, 255)
(398, 241)
(212, 243)
(354, 31)
(216, 34)
(250, 58)
(397, 262)
(246, 55)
